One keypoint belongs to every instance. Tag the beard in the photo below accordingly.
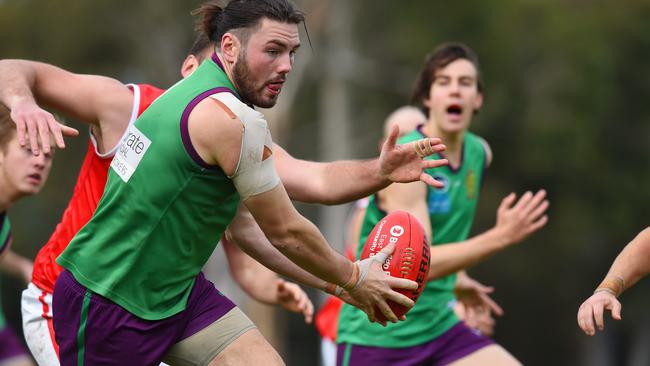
(245, 84)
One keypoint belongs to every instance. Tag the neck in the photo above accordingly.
(226, 67)
(7, 198)
(453, 141)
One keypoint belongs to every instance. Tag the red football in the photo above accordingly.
(411, 257)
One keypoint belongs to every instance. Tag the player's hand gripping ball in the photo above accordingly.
(410, 259)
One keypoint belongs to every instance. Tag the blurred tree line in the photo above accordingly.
(566, 84)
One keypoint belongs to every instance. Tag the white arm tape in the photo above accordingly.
(253, 175)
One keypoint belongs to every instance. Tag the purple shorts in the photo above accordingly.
(10, 346)
(92, 330)
(456, 343)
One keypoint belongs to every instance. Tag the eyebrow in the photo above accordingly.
(462, 77)
(282, 44)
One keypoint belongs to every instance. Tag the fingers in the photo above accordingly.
(384, 253)
(399, 299)
(434, 163)
(44, 134)
(428, 179)
(539, 210)
(492, 305)
(523, 201)
(391, 141)
(538, 224)
(56, 129)
(387, 312)
(69, 131)
(370, 312)
(535, 202)
(427, 146)
(585, 319)
(402, 283)
(591, 314)
(20, 129)
(306, 308)
(39, 129)
(32, 135)
(598, 316)
(616, 310)
(507, 202)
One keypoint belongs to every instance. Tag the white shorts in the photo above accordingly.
(36, 306)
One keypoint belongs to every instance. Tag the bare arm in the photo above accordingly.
(264, 285)
(246, 234)
(514, 223)
(217, 137)
(16, 265)
(632, 264)
(344, 181)
(89, 98)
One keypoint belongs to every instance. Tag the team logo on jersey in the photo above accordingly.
(132, 148)
(439, 200)
(470, 184)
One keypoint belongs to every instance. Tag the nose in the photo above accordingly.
(41, 160)
(454, 88)
(286, 64)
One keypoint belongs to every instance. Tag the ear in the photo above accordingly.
(230, 47)
(189, 65)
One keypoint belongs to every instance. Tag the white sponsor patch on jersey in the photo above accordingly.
(132, 148)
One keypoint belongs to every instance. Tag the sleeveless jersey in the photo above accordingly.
(451, 211)
(85, 197)
(5, 242)
(163, 208)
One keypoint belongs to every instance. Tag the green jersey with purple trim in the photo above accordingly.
(163, 209)
(451, 211)
(5, 242)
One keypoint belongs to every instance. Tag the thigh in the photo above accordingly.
(36, 308)
(250, 349)
(455, 344)
(355, 355)
(92, 330)
(493, 355)
(11, 349)
(203, 346)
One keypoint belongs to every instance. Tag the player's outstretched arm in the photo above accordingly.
(344, 181)
(298, 239)
(264, 285)
(89, 98)
(515, 222)
(220, 139)
(632, 264)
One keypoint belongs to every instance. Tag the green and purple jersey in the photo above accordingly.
(163, 209)
(451, 211)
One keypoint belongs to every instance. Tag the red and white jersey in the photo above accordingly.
(86, 195)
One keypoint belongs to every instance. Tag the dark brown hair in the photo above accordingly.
(7, 127)
(242, 16)
(439, 58)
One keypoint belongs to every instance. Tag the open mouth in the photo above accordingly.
(275, 86)
(35, 178)
(455, 110)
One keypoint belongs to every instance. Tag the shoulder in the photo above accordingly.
(216, 116)
(411, 136)
(483, 145)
